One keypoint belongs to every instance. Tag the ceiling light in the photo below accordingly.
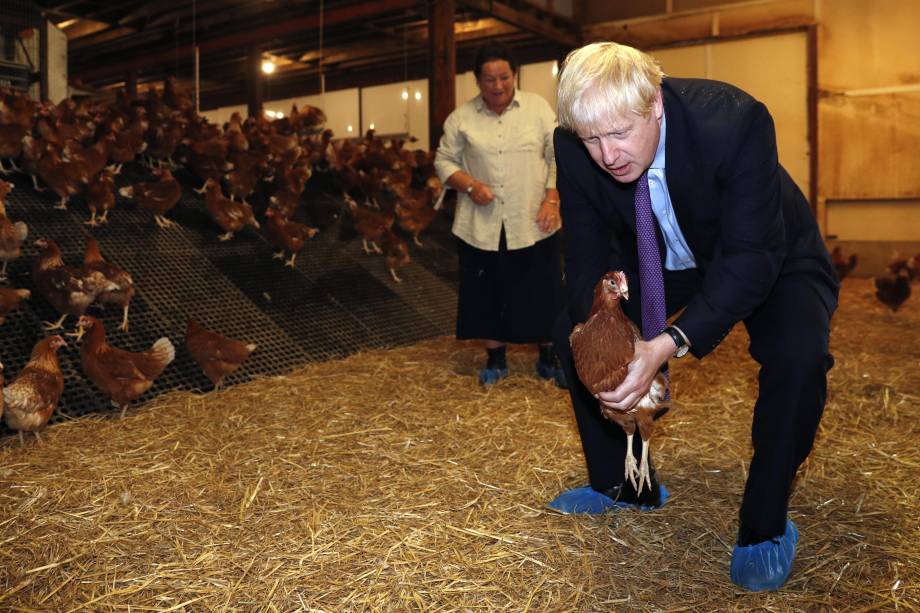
(555, 68)
(268, 67)
(418, 95)
(405, 94)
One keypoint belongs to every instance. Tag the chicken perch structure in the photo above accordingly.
(602, 347)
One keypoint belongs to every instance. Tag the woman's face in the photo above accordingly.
(496, 83)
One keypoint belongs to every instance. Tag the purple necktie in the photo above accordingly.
(654, 316)
(650, 276)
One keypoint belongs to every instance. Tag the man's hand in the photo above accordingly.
(643, 368)
(548, 218)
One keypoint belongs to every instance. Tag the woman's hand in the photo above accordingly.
(643, 368)
(481, 194)
(548, 218)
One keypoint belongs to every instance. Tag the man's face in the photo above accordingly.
(626, 146)
(496, 83)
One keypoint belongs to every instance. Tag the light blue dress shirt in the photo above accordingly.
(678, 255)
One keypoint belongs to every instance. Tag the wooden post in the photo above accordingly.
(43, 86)
(254, 81)
(442, 54)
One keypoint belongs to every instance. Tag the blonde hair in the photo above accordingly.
(602, 81)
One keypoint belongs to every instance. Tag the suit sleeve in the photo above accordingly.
(752, 243)
(587, 235)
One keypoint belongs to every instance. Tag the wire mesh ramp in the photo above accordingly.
(336, 301)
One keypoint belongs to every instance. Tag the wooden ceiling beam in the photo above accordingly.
(531, 18)
(248, 37)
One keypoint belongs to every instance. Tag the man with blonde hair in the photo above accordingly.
(677, 183)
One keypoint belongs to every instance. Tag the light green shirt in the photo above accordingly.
(513, 154)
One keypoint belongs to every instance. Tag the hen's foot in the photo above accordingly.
(47, 325)
(225, 237)
(278, 255)
(291, 261)
(395, 278)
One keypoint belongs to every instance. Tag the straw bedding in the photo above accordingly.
(390, 481)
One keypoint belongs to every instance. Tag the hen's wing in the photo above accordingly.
(603, 348)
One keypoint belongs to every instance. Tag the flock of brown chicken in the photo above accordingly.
(75, 149)
(893, 288)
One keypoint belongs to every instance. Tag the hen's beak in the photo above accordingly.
(625, 294)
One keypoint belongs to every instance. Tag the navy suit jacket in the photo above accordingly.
(743, 217)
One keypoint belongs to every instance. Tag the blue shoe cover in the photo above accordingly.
(766, 565)
(488, 376)
(546, 371)
(591, 502)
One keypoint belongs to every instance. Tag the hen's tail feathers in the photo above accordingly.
(164, 350)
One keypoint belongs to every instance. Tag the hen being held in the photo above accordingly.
(217, 355)
(34, 394)
(603, 347)
(123, 376)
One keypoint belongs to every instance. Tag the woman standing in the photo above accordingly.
(497, 152)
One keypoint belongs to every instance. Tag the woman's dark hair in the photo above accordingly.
(491, 52)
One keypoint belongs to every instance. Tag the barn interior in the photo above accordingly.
(353, 462)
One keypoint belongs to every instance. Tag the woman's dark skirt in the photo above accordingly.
(510, 296)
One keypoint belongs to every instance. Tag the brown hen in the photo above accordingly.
(231, 216)
(286, 235)
(217, 355)
(603, 347)
(10, 299)
(120, 289)
(12, 234)
(34, 394)
(68, 289)
(158, 198)
(121, 375)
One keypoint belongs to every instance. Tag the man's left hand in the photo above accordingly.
(643, 368)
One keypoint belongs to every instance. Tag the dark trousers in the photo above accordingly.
(789, 340)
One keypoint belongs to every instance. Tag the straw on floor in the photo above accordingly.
(389, 481)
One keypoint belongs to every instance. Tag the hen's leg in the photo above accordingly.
(291, 261)
(278, 255)
(124, 319)
(631, 470)
(225, 237)
(644, 475)
(395, 278)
